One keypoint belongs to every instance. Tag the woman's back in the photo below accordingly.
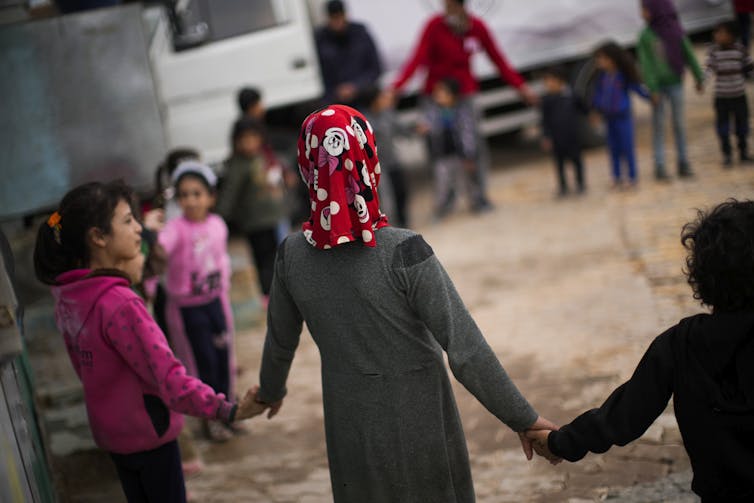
(355, 304)
(381, 318)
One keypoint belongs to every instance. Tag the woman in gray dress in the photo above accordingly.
(381, 310)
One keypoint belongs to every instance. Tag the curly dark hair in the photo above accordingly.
(720, 261)
(622, 59)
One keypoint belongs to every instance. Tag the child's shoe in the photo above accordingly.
(660, 174)
(746, 158)
(727, 161)
(192, 467)
(684, 170)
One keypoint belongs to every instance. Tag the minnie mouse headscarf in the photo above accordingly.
(337, 158)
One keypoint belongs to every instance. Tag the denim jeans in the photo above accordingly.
(674, 94)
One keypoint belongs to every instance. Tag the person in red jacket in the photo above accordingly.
(744, 8)
(445, 49)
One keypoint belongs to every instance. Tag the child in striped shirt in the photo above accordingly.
(730, 63)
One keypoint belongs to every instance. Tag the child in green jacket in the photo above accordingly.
(664, 51)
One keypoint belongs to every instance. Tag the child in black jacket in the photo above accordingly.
(562, 120)
(706, 362)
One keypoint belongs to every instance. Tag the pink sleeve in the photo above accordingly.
(507, 73)
(141, 343)
(169, 235)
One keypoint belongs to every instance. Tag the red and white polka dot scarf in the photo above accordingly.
(337, 158)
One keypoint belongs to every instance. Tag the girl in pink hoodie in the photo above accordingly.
(134, 388)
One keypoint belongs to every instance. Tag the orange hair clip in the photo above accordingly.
(54, 223)
(54, 220)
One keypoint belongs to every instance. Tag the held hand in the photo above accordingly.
(700, 87)
(538, 438)
(274, 409)
(249, 406)
(655, 98)
(541, 424)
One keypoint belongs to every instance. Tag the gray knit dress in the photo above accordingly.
(381, 318)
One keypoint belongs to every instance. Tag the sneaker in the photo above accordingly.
(684, 170)
(660, 174)
(746, 159)
(482, 206)
(727, 161)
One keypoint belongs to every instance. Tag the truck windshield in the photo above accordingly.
(222, 19)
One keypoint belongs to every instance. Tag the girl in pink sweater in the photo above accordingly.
(134, 388)
(198, 313)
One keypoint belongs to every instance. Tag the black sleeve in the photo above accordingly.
(546, 118)
(628, 411)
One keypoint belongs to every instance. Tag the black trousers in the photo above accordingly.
(574, 156)
(152, 476)
(206, 330)
(738, 110)
(264, 246)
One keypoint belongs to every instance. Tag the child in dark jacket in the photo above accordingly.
(617, 77)
(704, 363)
(562, 119)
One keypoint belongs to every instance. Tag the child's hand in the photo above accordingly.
(594, 119)
(154, 220)
(422, 129)
(249, 406)
(538, 439)
(546, 144)
(700, 87)
(655, 98)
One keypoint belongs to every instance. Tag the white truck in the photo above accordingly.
(111, 92)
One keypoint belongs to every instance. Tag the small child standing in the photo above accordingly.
(252, 197)
(198, 285)
(617, 77)
(562, 119)
(135, 390)
(704, 362)
(453, 146)
(730, 63)
(379, 112)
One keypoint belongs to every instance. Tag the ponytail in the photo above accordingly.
(62, 243)
(50, 259)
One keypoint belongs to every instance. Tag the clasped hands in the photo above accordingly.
(250, 406)
(534, 439)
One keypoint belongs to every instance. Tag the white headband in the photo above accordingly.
(195, 168)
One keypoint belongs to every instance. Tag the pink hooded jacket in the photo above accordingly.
(134, 387)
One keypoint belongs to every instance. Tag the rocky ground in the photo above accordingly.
(568, 292)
